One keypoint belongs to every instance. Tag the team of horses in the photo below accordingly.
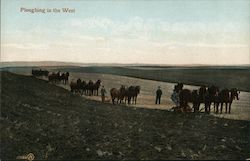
(82, 87)
(59, 77)
(127, 94)
(53, 77)
(207, 96)
(39, 73)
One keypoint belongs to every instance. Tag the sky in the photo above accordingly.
(215, 32)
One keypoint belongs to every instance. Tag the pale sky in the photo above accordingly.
(116, 31)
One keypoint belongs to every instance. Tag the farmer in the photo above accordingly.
(158, 95)
(103, 92)
(175, 98)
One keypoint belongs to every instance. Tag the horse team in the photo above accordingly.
(207, 96)
(82, 87)
(53, 77)
(127, 94)
(204, 95)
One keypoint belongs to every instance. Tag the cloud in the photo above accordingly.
(160, 30)
(100, 39)
(24, 46)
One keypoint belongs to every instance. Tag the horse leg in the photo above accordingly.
(217, 107)
(226, 108)
(221, 107)
(198, 106)
(209, 107)
(229, 109)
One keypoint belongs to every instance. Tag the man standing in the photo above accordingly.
(103, 92)
(158, 95)
(175, 98)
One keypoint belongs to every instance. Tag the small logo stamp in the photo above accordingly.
(29, 157)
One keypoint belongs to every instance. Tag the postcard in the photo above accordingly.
(125, 80)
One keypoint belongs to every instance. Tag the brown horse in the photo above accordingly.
(76, 86)
(227, 96)
(117, 94)
(73, 87)
(52, 78)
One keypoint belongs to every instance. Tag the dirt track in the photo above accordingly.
(146, 99)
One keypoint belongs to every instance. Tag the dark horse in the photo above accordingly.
(132, 93)
(204, 97)
(178, 87)
(227, 96)
(186, 96)
(90, 88)
(75, 86)
(213, 97)
(57, 77)
(96, 87)
(64, 77)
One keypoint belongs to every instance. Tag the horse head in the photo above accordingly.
(178, 87)
(90, 82)
(235, 93)
(137, 89)
(98, 81)
(83, 82)
(122, 89)
(78, 81)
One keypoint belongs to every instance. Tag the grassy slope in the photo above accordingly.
(52, 123)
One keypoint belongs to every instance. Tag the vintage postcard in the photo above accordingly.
(125, 80)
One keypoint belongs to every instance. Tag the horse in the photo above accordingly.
(117, 94)
(195, 100)
(73, 87)
(213, 93)
(90, 88)
(76, 86)
(178, 87)
(64, 77)
(82, 87)
(186, 97)
(96, 87)
(227, 96)
(204, 98)
(52, 77)
(133, 92)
